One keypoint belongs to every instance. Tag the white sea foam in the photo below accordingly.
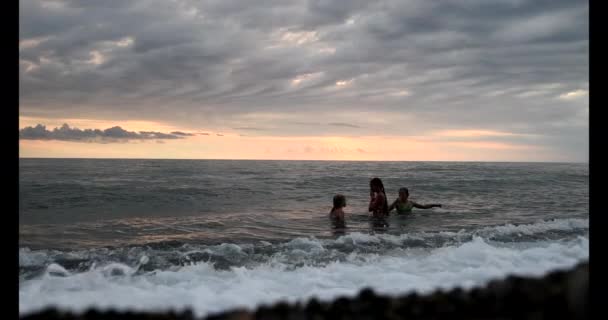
(539, 227)
(208, 290)
(28, 257)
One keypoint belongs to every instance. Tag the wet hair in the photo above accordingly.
(404, 190)
(339, 202)
(377, 182)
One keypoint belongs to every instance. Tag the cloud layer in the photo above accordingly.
(364, 68)
(114, 134)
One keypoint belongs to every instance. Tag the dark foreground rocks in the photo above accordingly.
(562, 294)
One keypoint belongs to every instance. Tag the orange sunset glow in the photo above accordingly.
(232, 145)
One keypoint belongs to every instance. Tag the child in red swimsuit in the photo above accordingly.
(378, 205)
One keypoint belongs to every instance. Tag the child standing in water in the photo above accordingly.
(336, 214)
(403, 205)
(378, 204)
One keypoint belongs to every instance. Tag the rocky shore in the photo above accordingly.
(561, 294)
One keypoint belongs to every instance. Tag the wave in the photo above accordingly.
(296, 252)
(216, 278)
(206, 289)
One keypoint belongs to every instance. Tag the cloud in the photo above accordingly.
(304, 123)
(340, 124)
(113, 134)
(179, 133)
(573, 94)
(71, 51)
(249, 128)
(471, 133)
(419, 65)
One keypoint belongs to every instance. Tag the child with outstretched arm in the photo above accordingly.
(403, 205)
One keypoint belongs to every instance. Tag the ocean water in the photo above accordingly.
(212, 235)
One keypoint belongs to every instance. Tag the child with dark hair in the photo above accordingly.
(336, 214)
(378, 204)
(403, 205)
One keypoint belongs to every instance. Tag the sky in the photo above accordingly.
(460, 80)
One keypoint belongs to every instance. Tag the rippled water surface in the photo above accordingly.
(218, 234)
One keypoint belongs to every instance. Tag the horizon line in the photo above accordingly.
(326, 160)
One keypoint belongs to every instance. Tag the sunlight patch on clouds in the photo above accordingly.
(125, 42)
(105, 49)
(344, 83)
(96, 58)
(45, 60)
(299, 38)
(400, 93)
(573, 94)
(495, 93)
(283, 38)
(539, 89)
(29, 66)
(305, 77)
(31, 43)
(527, 94)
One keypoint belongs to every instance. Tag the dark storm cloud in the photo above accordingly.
(114, 134)
(464, 63)
(179, 133)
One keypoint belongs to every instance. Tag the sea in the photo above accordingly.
(216, 235)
